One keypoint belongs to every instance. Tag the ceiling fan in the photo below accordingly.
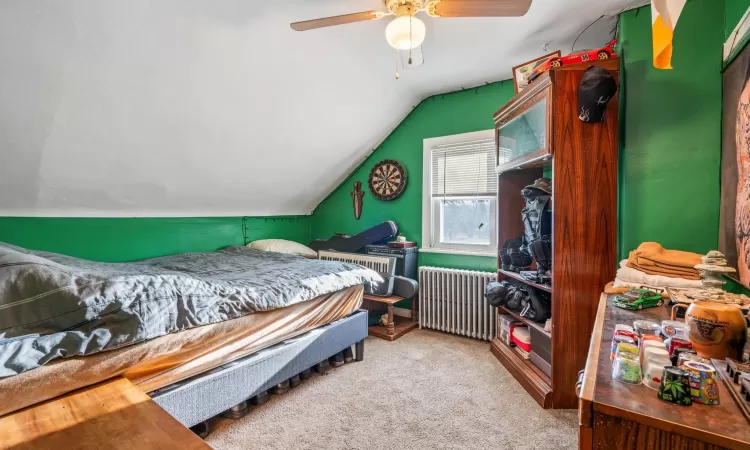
(406, 31)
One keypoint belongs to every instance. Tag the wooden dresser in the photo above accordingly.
(615, 415)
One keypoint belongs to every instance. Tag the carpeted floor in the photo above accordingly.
(427, 390)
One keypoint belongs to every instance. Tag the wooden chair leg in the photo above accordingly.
(391, 327)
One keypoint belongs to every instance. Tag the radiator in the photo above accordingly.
(380, 264)
(453, 301)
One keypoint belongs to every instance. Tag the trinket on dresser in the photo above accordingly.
(675, 386)
(703, 383)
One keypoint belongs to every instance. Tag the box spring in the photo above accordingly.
(199, 398)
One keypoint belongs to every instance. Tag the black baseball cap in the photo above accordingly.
(597, 87)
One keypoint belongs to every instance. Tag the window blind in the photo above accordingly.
(465, 169)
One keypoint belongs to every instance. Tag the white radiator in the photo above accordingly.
(377, 263)
(453, 301)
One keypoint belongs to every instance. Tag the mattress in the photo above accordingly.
(165, 360)
(55, 306)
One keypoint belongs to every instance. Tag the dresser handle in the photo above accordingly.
(579, 383)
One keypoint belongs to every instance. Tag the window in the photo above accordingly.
(459, 203)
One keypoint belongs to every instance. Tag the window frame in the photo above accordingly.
(431, 222)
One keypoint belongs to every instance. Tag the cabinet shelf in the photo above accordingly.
(531, 323)
(518, 277)
(536, 383)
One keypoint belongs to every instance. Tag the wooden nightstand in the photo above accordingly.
(397, 326)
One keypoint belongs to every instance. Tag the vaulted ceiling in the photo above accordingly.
(217, 107)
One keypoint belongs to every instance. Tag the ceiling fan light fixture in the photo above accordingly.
(405, 32)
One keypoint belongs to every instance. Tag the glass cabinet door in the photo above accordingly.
(522, 138)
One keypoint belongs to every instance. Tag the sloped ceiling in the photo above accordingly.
(216, 107)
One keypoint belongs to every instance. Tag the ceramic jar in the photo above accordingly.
(649, 344)
(646, 327)
(673, 344)
(674, 328)
(618, 339)
(654, 362)
(687, 356)
(675, 386)
(626, 368)
(704, 386)
(716, 330)
(675, 357)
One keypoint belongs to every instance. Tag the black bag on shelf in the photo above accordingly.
(516, 297)
(541, 252)
(507, 293)
(537, 306)
(537, 225)
(514, 255)
(496, 293)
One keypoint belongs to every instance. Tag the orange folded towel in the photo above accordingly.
(646, 266)
(653, 259)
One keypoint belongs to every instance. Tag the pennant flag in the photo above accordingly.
(664, 16)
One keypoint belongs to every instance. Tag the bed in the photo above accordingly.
(199, 332)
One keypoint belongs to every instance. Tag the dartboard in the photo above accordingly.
(387, 179)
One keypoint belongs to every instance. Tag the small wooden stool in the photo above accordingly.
(397, 326)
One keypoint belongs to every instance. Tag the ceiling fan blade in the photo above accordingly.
(478, 8)
(335, 20)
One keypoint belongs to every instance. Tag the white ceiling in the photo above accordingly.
(216, 107)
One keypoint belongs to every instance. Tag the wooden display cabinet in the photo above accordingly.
(537, 132)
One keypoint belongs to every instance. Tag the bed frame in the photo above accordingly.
(229, 389)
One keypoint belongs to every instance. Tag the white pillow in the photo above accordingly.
(283, 246)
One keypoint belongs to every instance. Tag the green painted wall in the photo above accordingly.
(671, 132)
(733, 12)
(125, 239)
(440, 115)
(669, 176)
(670, 143)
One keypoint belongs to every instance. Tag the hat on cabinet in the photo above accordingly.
(596, 89)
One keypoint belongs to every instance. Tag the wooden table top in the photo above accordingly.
(389, 300)
(722, 424)
(114, 414)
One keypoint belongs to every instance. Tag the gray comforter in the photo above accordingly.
(54, 306)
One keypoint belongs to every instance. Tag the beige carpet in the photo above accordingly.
(427, 390)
